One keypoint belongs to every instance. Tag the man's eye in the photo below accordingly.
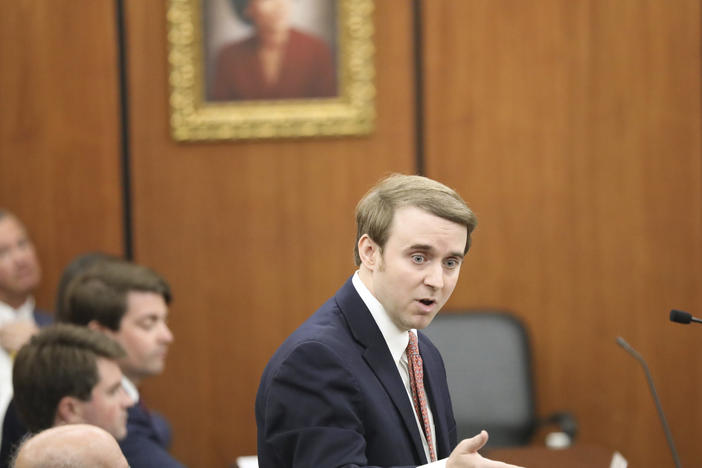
(148, 324)
(418, 258)
(452, 263)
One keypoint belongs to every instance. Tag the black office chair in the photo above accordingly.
(488, 366)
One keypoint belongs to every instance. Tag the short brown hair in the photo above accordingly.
(100, 293)
(81, 263)
(5, 213)
(375, 211)
(59, 361)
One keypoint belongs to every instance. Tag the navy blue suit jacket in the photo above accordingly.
(42, 318)
(147, 441)
(331, 395)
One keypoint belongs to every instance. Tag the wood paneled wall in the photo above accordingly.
(59, 129)
(573, 128)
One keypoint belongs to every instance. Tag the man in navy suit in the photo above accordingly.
(68, 374)
(339, 391)
(20, 274)
(129, 303)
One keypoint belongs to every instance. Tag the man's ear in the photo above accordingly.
(69, 411)
(97, 326)
(369, 252)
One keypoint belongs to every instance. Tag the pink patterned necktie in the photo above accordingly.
(419, 397)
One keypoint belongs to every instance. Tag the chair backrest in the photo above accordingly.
(488, 366)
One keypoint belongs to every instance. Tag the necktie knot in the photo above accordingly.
(412, 347)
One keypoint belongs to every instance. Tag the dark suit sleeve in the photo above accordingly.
(13, 430)
(42, 318)
(144, 447)
(313, 412)
(143, 452)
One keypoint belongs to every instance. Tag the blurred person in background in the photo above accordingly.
(20, 275)
(13, 429)
(129, 303)
(67, 374)
(77, 446)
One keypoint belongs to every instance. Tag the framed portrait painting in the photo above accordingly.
(247, 69)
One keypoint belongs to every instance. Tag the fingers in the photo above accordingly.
(498, 464)
(466, 454)
(14, 334)
(473, 444)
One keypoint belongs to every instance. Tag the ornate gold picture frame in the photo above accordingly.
(205, 103)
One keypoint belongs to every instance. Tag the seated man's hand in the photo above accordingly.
(16, 333)
(466, 455)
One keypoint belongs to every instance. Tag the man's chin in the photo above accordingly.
(420, 323)
(25, 288)
(157, 368)
(148, 371)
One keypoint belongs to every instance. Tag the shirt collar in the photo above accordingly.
(25, 311)
(396, 339)
(130, 389)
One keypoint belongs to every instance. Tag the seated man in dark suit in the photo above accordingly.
(20, 274)
(68, 374)
(356, 385)
(129, 303)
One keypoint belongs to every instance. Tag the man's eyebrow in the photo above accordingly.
(115, 386)
(423, 247)
(154, 313)
(429, 248)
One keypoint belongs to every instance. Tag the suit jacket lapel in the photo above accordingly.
(378, 357)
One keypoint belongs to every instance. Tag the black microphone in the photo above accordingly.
(681, 316)
(666, 429)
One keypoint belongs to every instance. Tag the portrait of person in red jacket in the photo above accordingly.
(278, 60)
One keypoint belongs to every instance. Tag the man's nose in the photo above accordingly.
(127, 401)
(166, 334)
(435, 276)
(19, 256)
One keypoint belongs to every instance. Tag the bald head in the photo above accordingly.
(71, 445)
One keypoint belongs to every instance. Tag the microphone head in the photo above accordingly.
(680, 316)
(621, 342)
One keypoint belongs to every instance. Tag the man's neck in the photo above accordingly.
(365, 275)
(131, 388)
(14, 301)
(134, 380)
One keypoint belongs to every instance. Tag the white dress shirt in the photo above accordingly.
(397, 341)
(130, 389)
(9, 314)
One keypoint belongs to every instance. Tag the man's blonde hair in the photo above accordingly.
(375, 211)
